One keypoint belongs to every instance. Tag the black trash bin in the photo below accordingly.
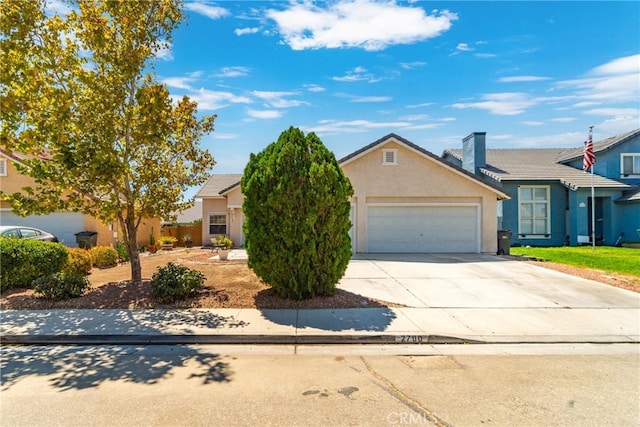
(504, 242)
(87, 239)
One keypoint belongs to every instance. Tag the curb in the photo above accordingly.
(230, 339)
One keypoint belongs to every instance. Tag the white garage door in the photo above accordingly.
(62, 224)
(423, 229)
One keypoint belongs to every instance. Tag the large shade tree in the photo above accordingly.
(79, 96)
(297, 213)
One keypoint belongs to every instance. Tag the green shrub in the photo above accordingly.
(173, 282)
(123, 255)
(104, 256)
(79, 261)
(24, 260)
(297, 210)
(61, 286)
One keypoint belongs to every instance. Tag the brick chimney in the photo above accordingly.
(474, 154)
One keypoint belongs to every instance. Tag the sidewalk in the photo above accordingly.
(322, 326)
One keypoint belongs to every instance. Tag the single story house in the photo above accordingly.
(63, 224)
(551, 200)
(406, 199)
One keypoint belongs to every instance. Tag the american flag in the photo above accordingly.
(589, 158)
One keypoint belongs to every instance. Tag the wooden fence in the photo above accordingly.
(179, 231)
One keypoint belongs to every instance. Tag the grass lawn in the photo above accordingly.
(606, 258)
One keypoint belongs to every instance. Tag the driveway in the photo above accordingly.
(475, 281)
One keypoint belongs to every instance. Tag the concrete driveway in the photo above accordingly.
(475, 281)
(492, 299)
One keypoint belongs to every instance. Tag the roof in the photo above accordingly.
(19, 157)
(540, 164)
(392, 136)
(218, 184)
(598, 147)
(632, 195)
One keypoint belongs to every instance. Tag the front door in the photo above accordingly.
(598, 214)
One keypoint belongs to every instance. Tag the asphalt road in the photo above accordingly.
(574, 385)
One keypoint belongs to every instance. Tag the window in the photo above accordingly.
(389, 157)
(3, 167)
(218, 224)
(533, 211)
(629, 164)
(28, 233)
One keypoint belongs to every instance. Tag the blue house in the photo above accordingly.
(551, 201)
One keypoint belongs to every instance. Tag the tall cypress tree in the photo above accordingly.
(296, 211)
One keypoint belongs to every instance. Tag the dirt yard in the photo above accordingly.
(228, 284)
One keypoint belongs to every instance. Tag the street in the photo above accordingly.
(457, 385)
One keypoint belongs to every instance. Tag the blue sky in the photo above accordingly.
(530, 74)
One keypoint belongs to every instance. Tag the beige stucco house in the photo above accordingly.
(63, 224)
(406, 199)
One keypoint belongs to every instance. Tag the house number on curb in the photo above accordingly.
(410, 339)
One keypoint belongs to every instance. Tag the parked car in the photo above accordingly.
(19, 232)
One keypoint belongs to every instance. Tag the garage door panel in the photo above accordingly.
(63, 224)
(422, 229)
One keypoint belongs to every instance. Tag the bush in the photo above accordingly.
(79, 261)
(104, 256)
(173, 282)
(61, 286)
(297, 212)
(24, 260)
(123, 255)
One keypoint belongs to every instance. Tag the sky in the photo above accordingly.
(530, 74)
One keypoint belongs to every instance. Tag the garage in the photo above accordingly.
(63, 224)
(447, 228)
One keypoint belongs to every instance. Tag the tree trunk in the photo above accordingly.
(133, 252)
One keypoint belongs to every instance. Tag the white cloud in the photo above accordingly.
(463, 47)
(214, 100)
(243, 31)
(485, 55)
(585, 104)
(231, 72)
(314, 88)
(366, 24)
(424, 104)
(370, 98)
(212, 12)
(624, 65)
(563, 119)
(183, 82)
(163, 51)
(414, 117)
(353, 126)
(615, 81)
(412, 65)
(506, 103)
(532, 123)
(423, 126)
(264, 114)
(178, 82)
(218, 135)
(518, 79)
(278, 99)
(358, 74)
(620, 112)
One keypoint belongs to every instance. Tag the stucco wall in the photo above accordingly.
(212, 206)
(13, 182)
(415, 179)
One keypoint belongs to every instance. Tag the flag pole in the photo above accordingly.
(593, 200)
